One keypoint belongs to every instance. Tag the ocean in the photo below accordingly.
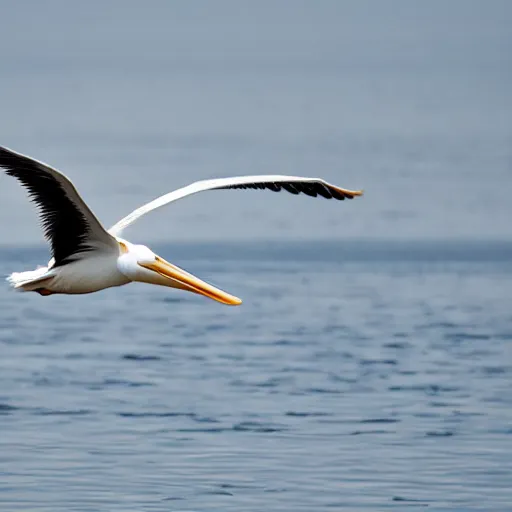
(357, 376)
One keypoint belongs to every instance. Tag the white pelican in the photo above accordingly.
(88, 258)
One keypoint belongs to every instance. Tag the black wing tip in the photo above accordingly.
(10, 160)
(312, 189)
(63, 223)
(8, 152)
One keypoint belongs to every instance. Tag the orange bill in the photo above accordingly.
(186, 281)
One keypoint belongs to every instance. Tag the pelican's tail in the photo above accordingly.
(30, 280)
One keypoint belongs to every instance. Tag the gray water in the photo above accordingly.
(369, 367)
(345, 381)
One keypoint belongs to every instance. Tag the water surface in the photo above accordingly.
(359, 383)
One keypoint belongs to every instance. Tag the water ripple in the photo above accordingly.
(291, 404)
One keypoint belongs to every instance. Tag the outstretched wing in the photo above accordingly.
(68, 223)
(294, 184)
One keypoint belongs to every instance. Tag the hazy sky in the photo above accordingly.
(409, 100)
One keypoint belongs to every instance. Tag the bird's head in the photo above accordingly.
(139, 263)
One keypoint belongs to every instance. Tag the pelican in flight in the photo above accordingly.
(88, 258)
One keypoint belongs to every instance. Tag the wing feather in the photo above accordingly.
(293, 184)
(68, 223)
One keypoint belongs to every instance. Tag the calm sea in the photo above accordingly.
(355, 376)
